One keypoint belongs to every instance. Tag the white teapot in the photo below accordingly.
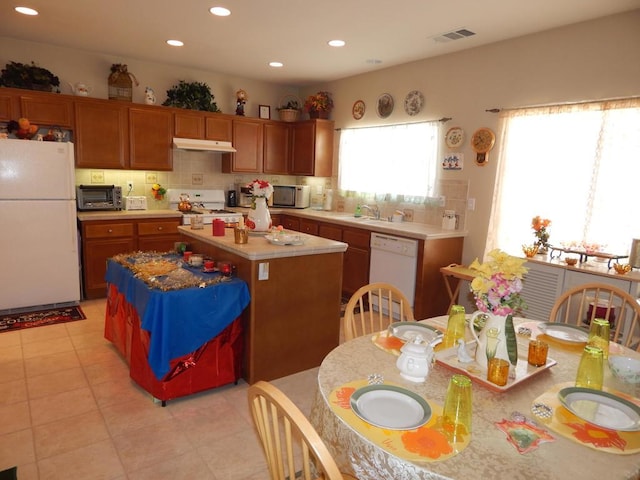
(80, 89)
(415, 359)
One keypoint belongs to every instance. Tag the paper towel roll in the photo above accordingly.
(634, 253)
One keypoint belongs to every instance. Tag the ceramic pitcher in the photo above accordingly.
(492, 340)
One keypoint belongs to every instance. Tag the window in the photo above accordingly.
(576, 165)
(390, 160)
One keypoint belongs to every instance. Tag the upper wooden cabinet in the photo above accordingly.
(248, 142)
(101, 134)
(44, 109)
(47, 109)
(150, 138)
(277, 148)
(202, 126)
(312, 148)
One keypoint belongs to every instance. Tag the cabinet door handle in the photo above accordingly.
(159, 228)
(110, 231)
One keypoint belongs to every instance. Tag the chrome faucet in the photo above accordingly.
(374, 211)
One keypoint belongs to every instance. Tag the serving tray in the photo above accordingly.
(523, 371)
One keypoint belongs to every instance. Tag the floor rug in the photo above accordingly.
(18, 321)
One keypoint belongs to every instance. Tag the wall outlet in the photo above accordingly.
(197, 179)
(151, 178)
(442, 200)
(408, 215)
(263, 271)
(471, 204)
(129, 186)
(97, 176)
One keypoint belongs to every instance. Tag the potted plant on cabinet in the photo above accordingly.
(29, 76)
(191, 95)
(319, 105)
(289, 108)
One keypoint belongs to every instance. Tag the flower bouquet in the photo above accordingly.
(260, 188)
(539, 226)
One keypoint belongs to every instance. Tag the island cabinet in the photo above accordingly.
(293, 319)
(312, 148)
(248, 142)
(102, 239)
(8, 111)
(355, 269)
(202, 126)
(277, 148)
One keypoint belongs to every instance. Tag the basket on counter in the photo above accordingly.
(121, 83)
(289, 109)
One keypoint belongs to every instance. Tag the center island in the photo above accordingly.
(293, 319)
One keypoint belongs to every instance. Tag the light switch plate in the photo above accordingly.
(263, 271)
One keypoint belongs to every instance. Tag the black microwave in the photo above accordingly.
(291, 196)
(99, 197)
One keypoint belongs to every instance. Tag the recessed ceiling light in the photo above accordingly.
(26, 11)
(336, 43)
(374, 61)
(276, 64)
(175, 43)
(220, 11)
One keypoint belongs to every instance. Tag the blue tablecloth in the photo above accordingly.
(179, 321)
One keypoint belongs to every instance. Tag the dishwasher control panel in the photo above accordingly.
(397, 245)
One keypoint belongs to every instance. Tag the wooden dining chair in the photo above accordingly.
(293, 448)
(581, 304)
(374, 307)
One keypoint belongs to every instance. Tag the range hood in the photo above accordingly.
(202, 145)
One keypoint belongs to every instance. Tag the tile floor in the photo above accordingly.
(69, 410)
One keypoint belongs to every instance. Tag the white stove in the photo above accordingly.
(209, 204)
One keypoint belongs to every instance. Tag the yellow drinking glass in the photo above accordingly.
(591, 368)
(599, 335)
(456, 413)
(456, 326)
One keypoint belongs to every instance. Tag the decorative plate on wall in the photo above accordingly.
(385, 105)
(413, 102)
(358, 109)
(454, 137)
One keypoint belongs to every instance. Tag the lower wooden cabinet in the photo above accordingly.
(102, 239)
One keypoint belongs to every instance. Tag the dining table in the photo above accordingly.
(519, 431)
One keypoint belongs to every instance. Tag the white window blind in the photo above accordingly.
(577, 165)
(390, 160)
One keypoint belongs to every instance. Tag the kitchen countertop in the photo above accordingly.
(258, 248)
(420, 231)
(591, 266)
(127, 214)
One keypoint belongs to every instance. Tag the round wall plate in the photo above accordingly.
(385, 105)
(413, 102)
(454, 137)
(358, 109)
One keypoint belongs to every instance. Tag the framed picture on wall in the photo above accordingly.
(265, 111)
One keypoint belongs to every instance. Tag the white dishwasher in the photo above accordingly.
(394, 260)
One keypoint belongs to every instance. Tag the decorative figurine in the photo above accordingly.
(241, 99)
(463, 355)
(149, 96)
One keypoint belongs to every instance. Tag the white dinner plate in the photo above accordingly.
(391, 407)
(408, 330)
(285, 239)
(567, 333)
(601, 408)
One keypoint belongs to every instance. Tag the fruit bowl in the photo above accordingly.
(622, 268)
(530, 250)
(626, 369)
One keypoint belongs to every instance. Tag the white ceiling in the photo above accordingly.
(293, 32)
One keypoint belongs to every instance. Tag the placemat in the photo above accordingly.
(424, 444)
(565, 423)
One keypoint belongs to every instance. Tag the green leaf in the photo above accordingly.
(512, 342)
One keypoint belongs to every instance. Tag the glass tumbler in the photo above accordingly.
(456, 326)
(591, 368)
(599, 335)
(456, 413)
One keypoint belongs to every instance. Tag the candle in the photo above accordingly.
(241, 222)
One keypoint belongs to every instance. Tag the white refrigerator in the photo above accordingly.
(39, 263)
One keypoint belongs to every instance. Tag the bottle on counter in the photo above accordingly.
(358, 211)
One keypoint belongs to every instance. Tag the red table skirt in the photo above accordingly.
(218, 362)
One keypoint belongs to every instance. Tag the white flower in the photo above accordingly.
(260, 188)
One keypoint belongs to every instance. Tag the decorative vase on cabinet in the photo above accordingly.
(259, 218)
